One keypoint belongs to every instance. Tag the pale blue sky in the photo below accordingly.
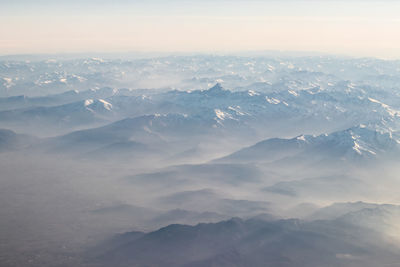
(353, 27)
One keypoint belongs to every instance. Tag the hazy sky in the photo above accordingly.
(353, 27)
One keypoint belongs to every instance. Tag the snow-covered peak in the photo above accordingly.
(304, 138)
(360, 139)
(98, 104)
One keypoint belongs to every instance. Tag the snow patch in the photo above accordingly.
(252, 93)
(106, 105)
(8, 82)
(358, 148)
(301, 138)
(88, 102)
(392, 112)
(272, 100)
(237, 110)
(222, 115)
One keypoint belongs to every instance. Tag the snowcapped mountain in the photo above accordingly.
(22, 101)
(354, 143)
(84, 113)
(283, 111)
(198, 113)
(135, 145)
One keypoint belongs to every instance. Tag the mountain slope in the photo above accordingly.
(357, 143)
(253, 243)
(10, 140)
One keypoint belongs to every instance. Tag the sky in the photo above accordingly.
(352, 27)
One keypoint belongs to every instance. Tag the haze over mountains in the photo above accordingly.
(200, 161)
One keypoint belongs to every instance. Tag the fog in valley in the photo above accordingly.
(201, 160)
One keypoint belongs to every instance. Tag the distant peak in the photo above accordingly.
(301, 138)
(217, 87)
(216, 90)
